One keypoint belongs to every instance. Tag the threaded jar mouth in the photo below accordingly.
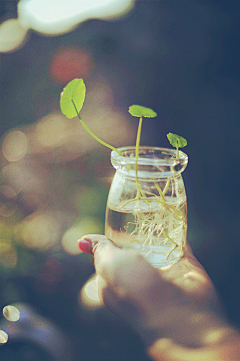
(153, 162)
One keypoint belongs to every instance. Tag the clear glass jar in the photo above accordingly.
(147, 206)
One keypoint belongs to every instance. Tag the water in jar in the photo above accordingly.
(154, 228)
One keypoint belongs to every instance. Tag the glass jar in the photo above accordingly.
(147, 206)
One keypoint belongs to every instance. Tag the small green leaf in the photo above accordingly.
(176, 140)
(74, 91)
(139, 111)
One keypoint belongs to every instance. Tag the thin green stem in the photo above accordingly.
(174, 247)
(93, 135)
(138, 138)
(137, 155)
(140, 192)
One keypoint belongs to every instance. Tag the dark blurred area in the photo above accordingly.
(180, 58)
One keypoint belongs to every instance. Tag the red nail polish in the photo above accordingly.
(85, 245)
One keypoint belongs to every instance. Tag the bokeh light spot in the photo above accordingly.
(51, 130)
(85, 226)
(12, 35)
(11, 313)
(3, 336)
(8, 201)
(8, 255)
(89, 294)
(70, 63)
(14, 146)
(40, 230)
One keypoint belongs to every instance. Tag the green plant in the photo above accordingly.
(71, 102)
(176, 141)
(146, 224)
(140, 112)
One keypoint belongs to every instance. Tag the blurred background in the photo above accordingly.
(180, 58)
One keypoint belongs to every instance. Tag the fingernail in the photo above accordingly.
(85, 245)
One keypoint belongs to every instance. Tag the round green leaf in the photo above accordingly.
(74, 91)
(176, 140)
(139, 111)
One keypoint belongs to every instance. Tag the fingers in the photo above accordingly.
(127, 283)
(125, 269)
(89, 243)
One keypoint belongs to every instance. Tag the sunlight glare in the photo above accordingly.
(60, 16)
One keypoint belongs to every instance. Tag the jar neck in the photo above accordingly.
(153, 162)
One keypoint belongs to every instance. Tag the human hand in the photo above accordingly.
(175, 310)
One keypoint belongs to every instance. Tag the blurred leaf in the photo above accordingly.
(75, 90)
(139, 111)
(176, 140)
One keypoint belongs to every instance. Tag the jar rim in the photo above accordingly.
(162, 156)
(155, 162)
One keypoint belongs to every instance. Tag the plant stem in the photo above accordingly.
(93, 135)
(169, 238)
(139, 190)
(162, 193)
(174, 247)
(159, 191)
(166, 187)
(140, 193)
(138, 138)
